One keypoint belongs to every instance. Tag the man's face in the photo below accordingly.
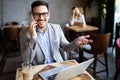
(41, 15)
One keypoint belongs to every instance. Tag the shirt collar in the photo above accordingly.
(46, 29)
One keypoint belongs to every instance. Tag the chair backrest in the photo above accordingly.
(11, 23)
(100, 44)
(11, 33)
(118, 54)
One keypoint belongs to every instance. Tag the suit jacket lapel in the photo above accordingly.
(52, 42)
(50, 31)
(51, 38)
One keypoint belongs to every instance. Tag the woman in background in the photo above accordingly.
(77, 19)
(77, 16)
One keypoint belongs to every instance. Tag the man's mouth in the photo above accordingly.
(40, 21)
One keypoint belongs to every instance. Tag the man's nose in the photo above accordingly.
(41, 17)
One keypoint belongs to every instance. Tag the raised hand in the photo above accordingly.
(82, 40)
(32, 29)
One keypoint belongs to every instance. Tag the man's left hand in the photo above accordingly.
(82, 40)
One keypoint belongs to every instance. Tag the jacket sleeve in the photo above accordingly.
(65, 45)
(27, 45)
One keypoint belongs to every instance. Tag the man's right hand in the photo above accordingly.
(32, 29)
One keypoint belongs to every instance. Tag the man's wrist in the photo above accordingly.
(75, 42)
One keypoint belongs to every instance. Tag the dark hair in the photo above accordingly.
(74, 7)
(38, 3)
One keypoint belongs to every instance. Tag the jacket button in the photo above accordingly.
(43, 60)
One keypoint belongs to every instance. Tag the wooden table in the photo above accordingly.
(80, 29)
(38, 68)
(88, 29)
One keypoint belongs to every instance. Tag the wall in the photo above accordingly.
(19, 10)
(91, 12)
(1, 12)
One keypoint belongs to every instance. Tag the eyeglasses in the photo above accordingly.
(44, 14)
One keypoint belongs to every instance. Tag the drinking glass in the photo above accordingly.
(27, 71)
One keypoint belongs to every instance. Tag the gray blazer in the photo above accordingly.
(31, 49)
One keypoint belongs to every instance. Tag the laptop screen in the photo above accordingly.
(73, 71)
(65, 72)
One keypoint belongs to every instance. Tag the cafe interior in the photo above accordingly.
(102, 24)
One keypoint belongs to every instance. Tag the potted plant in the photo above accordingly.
(102, 8)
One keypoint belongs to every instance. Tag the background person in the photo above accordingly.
(77, 16)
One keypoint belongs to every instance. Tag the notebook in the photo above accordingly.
(65, 72)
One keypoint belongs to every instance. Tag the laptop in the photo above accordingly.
(65, 72)
(73, 70)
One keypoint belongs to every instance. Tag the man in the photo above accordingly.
(41, 41)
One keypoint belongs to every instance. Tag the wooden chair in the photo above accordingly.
(11, 38)
(11, 45)
(117, 59)
(11, 23)
(99, 47)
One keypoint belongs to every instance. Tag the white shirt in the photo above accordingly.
(80, 19)
(44, 37)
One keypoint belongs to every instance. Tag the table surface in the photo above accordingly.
(81, 29)
(37, 68)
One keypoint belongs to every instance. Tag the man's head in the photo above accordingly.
(40, 13)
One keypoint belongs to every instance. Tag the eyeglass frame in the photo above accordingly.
(44, 14)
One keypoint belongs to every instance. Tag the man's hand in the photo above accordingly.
(82, 40)
(32, 29)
